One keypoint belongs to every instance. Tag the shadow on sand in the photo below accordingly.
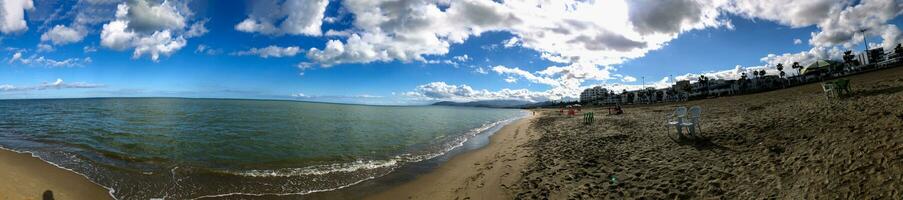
(48, 195)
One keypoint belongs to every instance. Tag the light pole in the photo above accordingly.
(865, 43)
(644, 82)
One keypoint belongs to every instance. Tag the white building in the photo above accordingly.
(592, 94)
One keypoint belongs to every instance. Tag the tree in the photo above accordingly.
(798, 67)
(755, 73)
(762, 73)
(780, 68)
(742, 81)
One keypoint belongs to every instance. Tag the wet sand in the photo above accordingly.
(25, 177)
(485, 173)
(785, 144)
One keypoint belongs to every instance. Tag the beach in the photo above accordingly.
(485, 173)
(784, 144)
(27, 177)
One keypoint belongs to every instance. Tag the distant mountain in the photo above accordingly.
(486, 103)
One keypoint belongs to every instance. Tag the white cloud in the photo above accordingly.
(61, 34)
(89, 49)
(58, 84)
(150, 29)
(628, 79)
(585, 36)
(334, 33)
(511, 79)
(39, 60)
(271, 51)
(481, 70)
(525, 74)
(160, 43)
(797, 41)
(147, 18)
(197, 29)
(463, 92)
(298, 17)
(45, 48)
(462, 58)
(511, 42)
(841, 23)
(12, 15)
(204, 49)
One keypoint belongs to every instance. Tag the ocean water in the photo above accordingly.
(174, 148)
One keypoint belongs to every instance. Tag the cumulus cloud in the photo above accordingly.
(12, 15)
(463, 92)
(61, 34)
(586, 37)
(58, 84)
(298, 17)
(271, 51)
(149, 28)
(841, 24)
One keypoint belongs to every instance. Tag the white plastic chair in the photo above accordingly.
(830, 90)
(676, 119)
(692, 122)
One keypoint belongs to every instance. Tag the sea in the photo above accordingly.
(177, 148)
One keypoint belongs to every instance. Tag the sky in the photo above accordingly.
(411, 52)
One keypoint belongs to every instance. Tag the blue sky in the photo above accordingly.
(411, 52)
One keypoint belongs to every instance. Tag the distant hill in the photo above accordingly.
(486, 103)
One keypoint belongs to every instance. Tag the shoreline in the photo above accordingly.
(485, 173)
(28, 177)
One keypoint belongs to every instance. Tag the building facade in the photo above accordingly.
(592, 94)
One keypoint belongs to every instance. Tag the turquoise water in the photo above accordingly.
(188, 148)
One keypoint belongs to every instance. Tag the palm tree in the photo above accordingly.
(762, 73)
(755, 73)
(798, 67)
(742, 81)
(780, 68)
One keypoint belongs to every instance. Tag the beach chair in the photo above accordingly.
(692, 121)
(830, 90)
(676, 119)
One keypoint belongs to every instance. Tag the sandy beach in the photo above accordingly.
(25, 177)
(784, 144)
(485, 173)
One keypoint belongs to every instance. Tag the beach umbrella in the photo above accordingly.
(820, 65)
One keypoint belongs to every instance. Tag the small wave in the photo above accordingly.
(360, 165)
(320, 169)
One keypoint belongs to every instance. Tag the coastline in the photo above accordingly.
(23, 176)
(26, 176)
(484, 173)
